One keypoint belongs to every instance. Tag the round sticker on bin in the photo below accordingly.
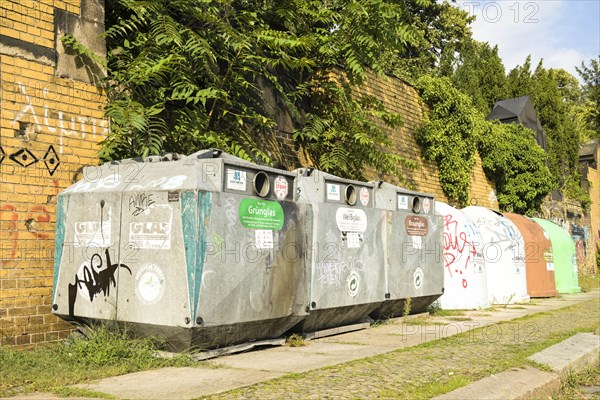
(353, 284)
(364, 196)
(150, 283)
(281, 187)
(418, 278)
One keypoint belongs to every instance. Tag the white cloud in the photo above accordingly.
(522, 28)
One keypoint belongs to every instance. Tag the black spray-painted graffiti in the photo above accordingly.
(25, 158)
(96, 278)
(138, 203)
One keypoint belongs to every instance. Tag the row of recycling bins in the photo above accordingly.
(503, 258)
(209, 250)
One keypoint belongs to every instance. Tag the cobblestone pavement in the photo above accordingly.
(433, 367)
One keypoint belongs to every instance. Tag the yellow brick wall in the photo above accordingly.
(402, 98)
(49, 129)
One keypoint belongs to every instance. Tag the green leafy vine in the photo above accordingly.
(511, 158)
(450, 135)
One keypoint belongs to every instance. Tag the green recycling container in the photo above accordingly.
(565, 257)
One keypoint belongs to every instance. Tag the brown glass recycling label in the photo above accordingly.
(416, 226)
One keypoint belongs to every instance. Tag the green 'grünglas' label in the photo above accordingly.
(261, 214)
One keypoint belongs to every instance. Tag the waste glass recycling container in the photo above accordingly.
(345, 270)
(538, 257)
(465, 285)
(503, 251)
(413, 250)
(565, 257)
(202, 250)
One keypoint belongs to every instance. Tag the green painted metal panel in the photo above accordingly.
(565, 258)
(189, 223)
(59, 239)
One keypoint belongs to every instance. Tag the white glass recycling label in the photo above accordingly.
(402, 202)
(333, 191)
(351, 219)
(236, 179)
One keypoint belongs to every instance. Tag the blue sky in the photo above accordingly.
(561, 32)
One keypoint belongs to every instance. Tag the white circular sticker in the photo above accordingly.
(418, 278)
(426, 205)
(364, 196)
(150, 283)
(353, 283)
(281, 187)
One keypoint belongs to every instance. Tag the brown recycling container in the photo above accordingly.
(539, 262)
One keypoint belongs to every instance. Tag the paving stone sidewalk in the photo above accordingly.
(416, 372)
(399, 360)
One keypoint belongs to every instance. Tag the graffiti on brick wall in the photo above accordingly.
(94, 278)
(26, 158)
(68, 125)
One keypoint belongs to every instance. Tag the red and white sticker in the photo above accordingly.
(426, 205)
(281, 187)
(364, 196)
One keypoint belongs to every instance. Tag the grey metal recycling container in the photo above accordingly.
(345, 271)
(204, 250)
(413, 250)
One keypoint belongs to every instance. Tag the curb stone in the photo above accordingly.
(573, 354)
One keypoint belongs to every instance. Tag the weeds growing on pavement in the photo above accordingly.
(580, 385)
(295, 340)
(102, 352)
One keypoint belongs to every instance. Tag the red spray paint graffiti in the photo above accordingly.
(458, 250)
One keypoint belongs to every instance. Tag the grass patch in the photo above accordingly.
(588, 283)
(459, 319)
(423, 320)
(575, 384)
(438, 312)
(103, 352)
(64, 391)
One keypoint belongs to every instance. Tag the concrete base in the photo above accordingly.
(335, 331)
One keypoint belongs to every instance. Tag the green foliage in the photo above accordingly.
(513, 160)
(186, 75)
(450, 135)
(510, 155)
(478, 72)
(442, 29)
(591, 77)
(564, 112)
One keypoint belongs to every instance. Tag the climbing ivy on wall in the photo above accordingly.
(513, 160)
(455, 130)
(450, 135)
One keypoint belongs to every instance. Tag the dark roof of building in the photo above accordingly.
(521, 110)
